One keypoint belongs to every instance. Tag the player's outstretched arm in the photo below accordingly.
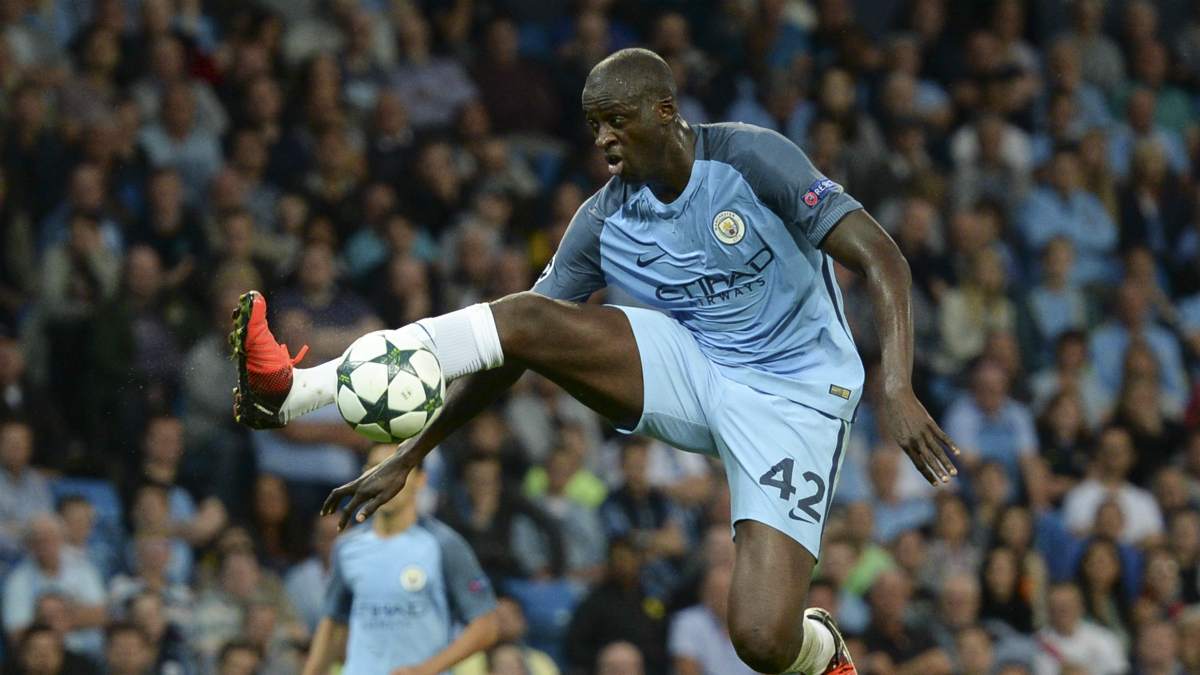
(480, 635)
(328, 646)
(859, 243)
(466, 397)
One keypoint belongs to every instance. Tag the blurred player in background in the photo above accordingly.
(400, 589)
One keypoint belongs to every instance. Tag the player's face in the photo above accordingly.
(631, 132)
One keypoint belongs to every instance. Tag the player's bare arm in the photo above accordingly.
(480, 635)
(859, 243)
(328, 647)
(465, 398)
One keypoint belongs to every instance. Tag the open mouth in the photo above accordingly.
(615, 163)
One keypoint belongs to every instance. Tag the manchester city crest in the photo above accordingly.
(729, 227)
(413, 578)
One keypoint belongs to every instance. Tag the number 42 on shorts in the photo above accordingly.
(780, 478)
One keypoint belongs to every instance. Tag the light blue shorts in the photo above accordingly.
(782, 458)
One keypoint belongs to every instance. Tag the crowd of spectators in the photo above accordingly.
(366, 163)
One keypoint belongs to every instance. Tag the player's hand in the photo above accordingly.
(372, 489)
(921, 438)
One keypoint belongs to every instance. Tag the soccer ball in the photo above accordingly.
(389, 386)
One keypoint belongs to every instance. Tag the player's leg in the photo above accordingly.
(589, 350)
(768, 623)
(782, 461)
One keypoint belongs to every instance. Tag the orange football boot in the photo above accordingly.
(264, 366)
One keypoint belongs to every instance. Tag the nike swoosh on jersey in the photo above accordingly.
(643, 263)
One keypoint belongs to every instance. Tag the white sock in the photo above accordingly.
(312, 388)
(464, 341)
(816, 651)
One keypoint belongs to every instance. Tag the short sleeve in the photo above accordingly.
(467, 587)
(338, 596)
(574, 272)
(783, 177)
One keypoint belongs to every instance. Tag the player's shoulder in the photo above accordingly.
(446, 537)
(744, 144)
(352, 539)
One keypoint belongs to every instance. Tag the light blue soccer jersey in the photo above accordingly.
(734, 259)
(404, 597)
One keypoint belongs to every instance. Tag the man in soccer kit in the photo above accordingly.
(730, 230)
(406, 595)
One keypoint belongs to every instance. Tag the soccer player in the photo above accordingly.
(398, 590)
(731, 230)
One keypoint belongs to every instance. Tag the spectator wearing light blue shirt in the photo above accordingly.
(1140, 126)
(53, 568)
(988, 425)
(23, 492)
(1062, 208)
(178, 142)
(1056, 305)
(895, 513)
(699, 641)
(1110, 342)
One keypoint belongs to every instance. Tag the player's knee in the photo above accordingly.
(522, 320)
(764, 647)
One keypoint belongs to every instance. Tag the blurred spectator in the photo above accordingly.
(617, 609)
(891, 641)
(167, 66)
(620, 658)
(510, 536)
(52, 568)
(1057, 304)
(1063, 208)
(1101, 579)
(306, 581)
(1108, 479)
(275, 525)
(1132, 323)
(181, 142)
(1141, 128)
(1072, 374)
(24, 400)
(151, 575)
(162, 450)
(24, 493)
(584, 540)
(647, 517)
(40, 651)
(172, 229)
(221, 612)
(970, 312)
(92, 540)
(699, 640)
(895, 513)
(518, 94)
(239, 657)
(433, 87)
(128, 652)
(1157, 651)
(1064, 442)
(338, 317)
(512, 632)
(1068, 641)
(169, 654)
(988, 425)
(1103, 64)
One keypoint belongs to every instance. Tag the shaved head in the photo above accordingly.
(631, 74)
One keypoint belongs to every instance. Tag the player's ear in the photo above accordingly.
(666, 110)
